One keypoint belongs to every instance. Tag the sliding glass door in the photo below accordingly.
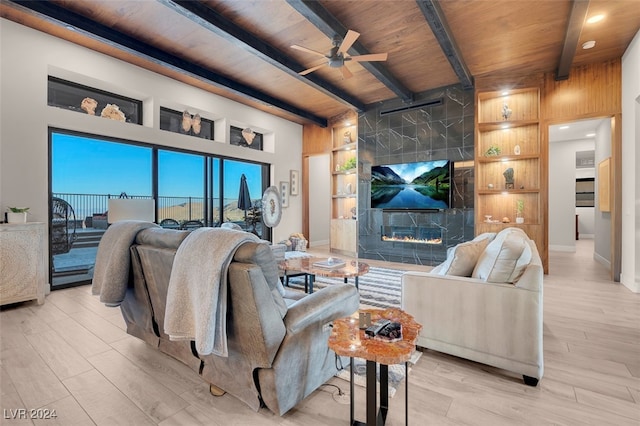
(191, 190)
(85, 173)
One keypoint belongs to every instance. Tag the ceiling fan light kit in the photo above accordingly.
(338, 55)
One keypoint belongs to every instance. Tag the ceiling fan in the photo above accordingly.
(337, 56)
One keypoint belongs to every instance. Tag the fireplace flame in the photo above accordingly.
(410, 239)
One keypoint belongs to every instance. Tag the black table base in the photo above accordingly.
(377, 416)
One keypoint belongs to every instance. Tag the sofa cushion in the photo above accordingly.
(505, 258)
(462, 258)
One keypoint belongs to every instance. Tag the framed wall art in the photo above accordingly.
(604, 185)
(294, 180)
(284, 193)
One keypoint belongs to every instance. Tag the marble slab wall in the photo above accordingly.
(443, 132)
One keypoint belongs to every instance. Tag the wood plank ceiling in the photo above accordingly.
(241, 49)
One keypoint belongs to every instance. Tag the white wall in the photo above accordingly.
(602, 220)
(630, 275)
(29, 56)
(319, 196)
(562, 192)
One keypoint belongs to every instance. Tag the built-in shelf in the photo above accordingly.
(509, 124)
(344, 185)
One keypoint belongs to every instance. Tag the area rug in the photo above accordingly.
(380, 287)
(396, 373)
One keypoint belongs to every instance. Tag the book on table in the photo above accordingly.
(330, 263)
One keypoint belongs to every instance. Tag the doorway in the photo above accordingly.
(575, 150)
(319, 200)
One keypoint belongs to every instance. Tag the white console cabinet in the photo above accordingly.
(22, 262)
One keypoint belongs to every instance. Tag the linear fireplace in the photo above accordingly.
(412, 234)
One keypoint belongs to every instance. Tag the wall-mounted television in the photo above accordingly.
(424, 185)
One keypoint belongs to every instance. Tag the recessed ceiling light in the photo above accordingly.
(590, 135)
(505, 93)
(595, 18)
(563, 127)
(588, 44)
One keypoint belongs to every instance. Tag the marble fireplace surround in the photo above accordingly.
(441, 132)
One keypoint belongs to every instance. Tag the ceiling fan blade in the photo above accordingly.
(348, 41)
(312, 69)
(304, 49)
(370, 57)
(345, 72)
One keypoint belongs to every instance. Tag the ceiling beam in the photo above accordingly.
(435, 18)
(208, 18)
(104, 34)
(315, 13)
(574, 28)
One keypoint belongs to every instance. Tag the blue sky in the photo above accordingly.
(87, 166)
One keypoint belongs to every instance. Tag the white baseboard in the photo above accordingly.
(318, 243)
(587, 236)
(570, 249)
(634, 286)
(601, 260)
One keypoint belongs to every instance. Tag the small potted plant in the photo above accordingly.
(17, 214)
(519, 211)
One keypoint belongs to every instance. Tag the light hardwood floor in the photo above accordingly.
(72, 355)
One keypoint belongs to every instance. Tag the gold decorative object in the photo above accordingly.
(112, 112)
(506, 111)
(89, 105)
(506, 220)
(248, 135)
(191, 122)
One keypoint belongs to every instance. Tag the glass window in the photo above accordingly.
(87, 100)
(185, 123)
(245, 137)
(85, 173)
(248, 218)
(181, 180)
(193, 190)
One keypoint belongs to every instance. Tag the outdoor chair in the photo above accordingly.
(170, 224)
(192, 224)
(63, 226)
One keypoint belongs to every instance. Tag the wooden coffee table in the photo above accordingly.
(347, 339)
(352, 269)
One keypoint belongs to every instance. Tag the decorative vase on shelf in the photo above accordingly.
(17, 217)
(17, 214)
(520, 211)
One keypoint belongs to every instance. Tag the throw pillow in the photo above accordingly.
(504, 259)
(462, 258)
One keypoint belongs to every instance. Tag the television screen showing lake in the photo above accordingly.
(406, 197)
(421, 185)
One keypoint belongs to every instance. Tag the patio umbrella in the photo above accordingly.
(244, 199)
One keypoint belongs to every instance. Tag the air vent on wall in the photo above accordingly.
(429, 103)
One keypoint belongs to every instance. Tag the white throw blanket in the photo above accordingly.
(197, 294)
(111, 271)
